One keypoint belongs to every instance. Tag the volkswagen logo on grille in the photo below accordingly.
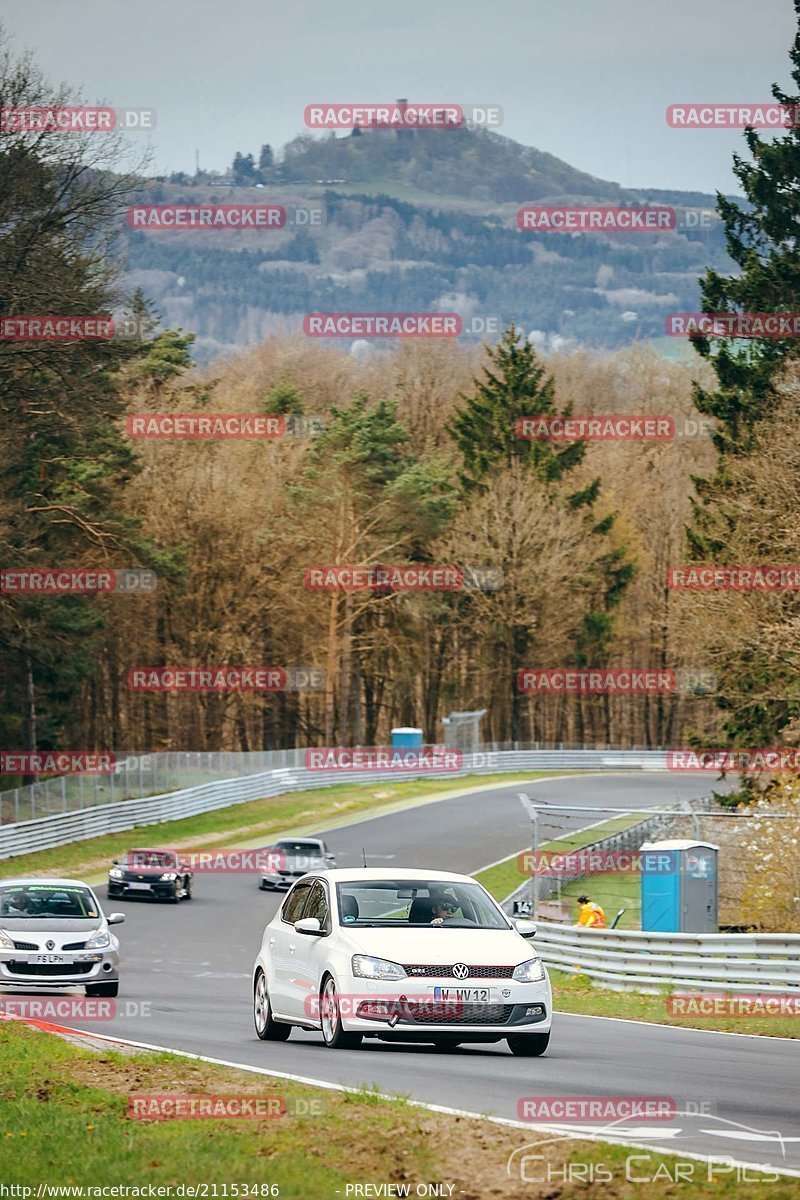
(50, 945)
(461, 970)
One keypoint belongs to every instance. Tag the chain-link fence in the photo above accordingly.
(138, 775)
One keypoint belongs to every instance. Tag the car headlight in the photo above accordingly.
(99, 940)
(366, 967)
(115, 873)
(5, 941)
(168, 876)
(531, 971)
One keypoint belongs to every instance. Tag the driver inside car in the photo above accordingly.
(445, 906)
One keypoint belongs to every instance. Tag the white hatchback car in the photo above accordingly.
(54, 934)
(401, 955)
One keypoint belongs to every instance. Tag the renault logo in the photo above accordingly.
(461, 970)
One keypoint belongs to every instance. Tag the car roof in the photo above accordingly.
(46, 880)
(364, 874)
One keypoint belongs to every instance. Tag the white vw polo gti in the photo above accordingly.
(401, 955)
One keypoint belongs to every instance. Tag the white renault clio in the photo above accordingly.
(54, 934)
(401, 955)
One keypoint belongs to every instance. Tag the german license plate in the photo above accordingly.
(47, 958)
(465, 995)
(140, 887)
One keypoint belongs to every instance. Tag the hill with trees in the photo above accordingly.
(421, 221)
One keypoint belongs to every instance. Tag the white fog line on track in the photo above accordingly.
(508, 1122)
(775, 1037)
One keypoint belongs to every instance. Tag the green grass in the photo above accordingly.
(612, 892)
(65, 1122)
(505, 877)
(576, 993)
(319, 808)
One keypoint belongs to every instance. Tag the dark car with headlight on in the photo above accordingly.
(158, 873)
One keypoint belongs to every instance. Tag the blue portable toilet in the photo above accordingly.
(406, 738)
(679, 887)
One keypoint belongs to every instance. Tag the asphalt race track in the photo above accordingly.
(192, 963)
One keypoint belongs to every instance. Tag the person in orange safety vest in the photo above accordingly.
(590, 914)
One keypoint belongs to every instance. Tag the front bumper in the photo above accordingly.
(528, 1007)
(158, 889)
(17, 969)
(280, 883)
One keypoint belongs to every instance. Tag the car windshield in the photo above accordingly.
(410, 903)
(43, 900)
(149, 858)
(312, 849)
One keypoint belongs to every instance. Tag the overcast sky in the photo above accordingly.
(587, 80)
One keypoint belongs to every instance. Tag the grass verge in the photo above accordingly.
(575, 993)
(242, 824)
(65, 1122)
(505, 877)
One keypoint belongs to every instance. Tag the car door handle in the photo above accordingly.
(292, 947)
(271, 942)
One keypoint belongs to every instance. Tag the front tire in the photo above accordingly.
(187, 888)
(529, 1045)
(103, 989)
(333, 1031)
(267, 1029)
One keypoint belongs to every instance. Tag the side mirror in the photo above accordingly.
(115, 861)
(115, 918)
(526, 929)
(330, 858)
(309, 926)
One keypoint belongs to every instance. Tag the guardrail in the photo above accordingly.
(137, 775)
(632, 960)
(75, 822)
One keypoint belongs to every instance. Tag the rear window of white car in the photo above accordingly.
(415, 903)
